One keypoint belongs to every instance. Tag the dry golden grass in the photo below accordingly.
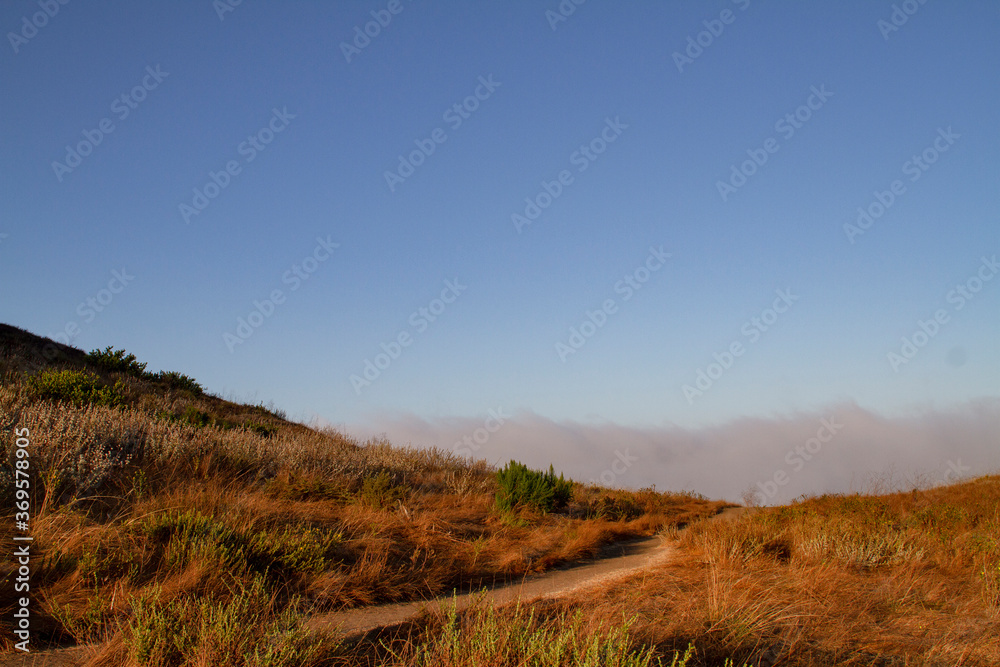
(126, 502)
(173, 543)
(907, 578)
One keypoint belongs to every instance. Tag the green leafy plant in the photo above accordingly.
(117, 361)
(179, 381)
(521, 486)
(78, 387)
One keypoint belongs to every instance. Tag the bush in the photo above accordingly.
(179, 381)
(196, 417)
(117, 361)
(77, 387)
(520, 486)
(380, 491)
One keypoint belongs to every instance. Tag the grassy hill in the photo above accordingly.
(172, 527)
(175, 527)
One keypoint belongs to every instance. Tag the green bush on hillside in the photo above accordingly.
(120, 361)
(77, 387)
(521, 486)
(175, 380)
(117, 361)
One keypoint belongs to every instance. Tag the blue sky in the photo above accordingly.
(886, 98)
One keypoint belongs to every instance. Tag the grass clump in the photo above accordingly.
(519, 637)
(292, 551)
(520, 487)
(614, 509)
(77, 387)
(201, 419)
(246, 628)
(380, 491)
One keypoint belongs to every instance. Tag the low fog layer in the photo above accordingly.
(842, 449)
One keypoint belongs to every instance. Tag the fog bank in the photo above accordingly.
(842, 449)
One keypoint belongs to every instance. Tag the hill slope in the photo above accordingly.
(174, 525)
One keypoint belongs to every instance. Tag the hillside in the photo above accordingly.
(171, 526)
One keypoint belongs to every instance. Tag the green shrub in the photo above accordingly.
(117, 361)
(196, 417)
(78, 387)
(179, 381)
(521, 486)
(380, 491)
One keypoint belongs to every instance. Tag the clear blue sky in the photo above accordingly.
(678, 134)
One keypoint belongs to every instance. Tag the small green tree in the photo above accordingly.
(519, 485)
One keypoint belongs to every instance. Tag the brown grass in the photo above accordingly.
(126, 502)
(907, 578)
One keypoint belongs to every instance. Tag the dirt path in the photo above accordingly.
(615, 561)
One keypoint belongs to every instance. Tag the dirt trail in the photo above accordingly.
(618, 560)
(615, 561)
